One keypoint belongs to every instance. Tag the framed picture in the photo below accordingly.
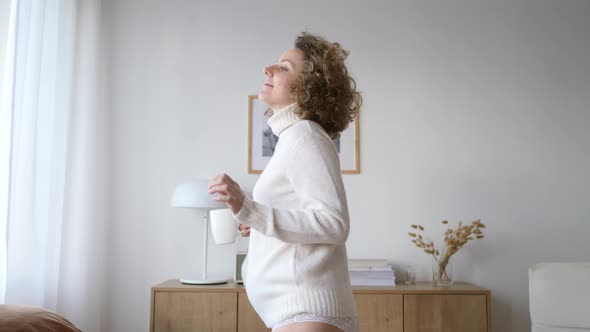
(240, 257)
(262, 141)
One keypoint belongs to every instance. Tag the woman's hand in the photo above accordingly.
(229, 192)
(244, 230)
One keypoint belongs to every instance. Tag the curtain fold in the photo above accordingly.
(6, 98)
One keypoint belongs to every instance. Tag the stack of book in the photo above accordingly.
(370, 272)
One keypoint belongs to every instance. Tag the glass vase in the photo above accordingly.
(442, 273)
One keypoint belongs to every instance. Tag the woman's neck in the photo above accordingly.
(283, 118)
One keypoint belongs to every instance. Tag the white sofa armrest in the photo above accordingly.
(559, 295)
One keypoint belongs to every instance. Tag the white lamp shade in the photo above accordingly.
(194, 194)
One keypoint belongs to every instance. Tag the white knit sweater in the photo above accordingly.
(297, 261)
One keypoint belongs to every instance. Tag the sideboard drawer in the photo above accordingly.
(442, 313)
(191, 311)
(380, 312)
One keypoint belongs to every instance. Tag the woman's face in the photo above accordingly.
(276, 91)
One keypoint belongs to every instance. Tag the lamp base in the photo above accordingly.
(204, 281)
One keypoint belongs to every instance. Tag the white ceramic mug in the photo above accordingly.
(223, 226)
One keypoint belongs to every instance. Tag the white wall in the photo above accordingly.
(472, 110)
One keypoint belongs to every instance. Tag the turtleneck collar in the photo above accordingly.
(283, 119)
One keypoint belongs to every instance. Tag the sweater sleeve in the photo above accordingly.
(314, 172)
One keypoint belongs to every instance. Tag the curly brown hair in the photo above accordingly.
(325, 92)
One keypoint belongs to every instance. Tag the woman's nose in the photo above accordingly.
(268, 71)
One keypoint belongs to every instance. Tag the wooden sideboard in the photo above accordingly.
(417, 308)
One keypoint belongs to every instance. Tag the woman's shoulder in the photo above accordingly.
(307, 130)
(309, 138)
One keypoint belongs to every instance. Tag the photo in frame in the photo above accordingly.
(262, 141)
(239, 262)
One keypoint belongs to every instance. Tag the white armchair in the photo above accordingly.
(559, 297)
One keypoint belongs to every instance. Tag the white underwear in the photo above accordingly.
(346, 324)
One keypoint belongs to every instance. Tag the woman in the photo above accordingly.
(296, 275)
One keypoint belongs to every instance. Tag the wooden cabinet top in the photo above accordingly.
(174, 285)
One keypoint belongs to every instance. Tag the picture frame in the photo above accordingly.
(239, 261)
(261, 141)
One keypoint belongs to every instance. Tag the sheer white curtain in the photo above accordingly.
(54, 226)
(6, 88)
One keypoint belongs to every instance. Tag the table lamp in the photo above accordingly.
(194, 194)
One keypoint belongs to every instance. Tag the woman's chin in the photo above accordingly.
(263, 98)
